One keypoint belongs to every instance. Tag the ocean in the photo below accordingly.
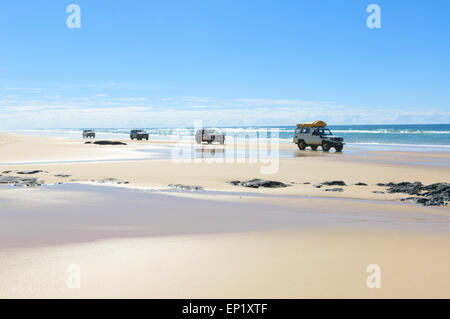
(411, 135)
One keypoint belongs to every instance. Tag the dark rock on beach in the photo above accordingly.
(437, 189)
(19, 181)
(386, 184)
(405, 187)
(108, 180)
(30, 172)
(437, 194)
(6, 172)
(186, 187)
(378, 192)
(361, 184)
(337, 189)
(62, 175)
(435, 201)
(334, 183)
(257, 183)
(106, 143)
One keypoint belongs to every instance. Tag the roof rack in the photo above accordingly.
(313, 124)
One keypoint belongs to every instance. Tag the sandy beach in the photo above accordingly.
(110, 210)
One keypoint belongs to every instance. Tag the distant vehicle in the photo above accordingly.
(316, 134)
(88, 134)
(138, 135)
(209, 136)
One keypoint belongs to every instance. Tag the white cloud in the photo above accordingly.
(102, 110)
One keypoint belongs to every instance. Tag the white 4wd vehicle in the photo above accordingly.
(316, 134)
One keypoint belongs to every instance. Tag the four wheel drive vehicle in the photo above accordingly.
(139, 135)
(316, 134)
(88, 134)
(209, 136)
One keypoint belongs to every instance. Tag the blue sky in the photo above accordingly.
(168, 63)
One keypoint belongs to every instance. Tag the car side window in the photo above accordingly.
(298, 131)
(306, 130)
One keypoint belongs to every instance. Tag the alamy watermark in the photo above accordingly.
(74, 19)
(374, 279)
(259, 147)
(374, 19)
(74, 278)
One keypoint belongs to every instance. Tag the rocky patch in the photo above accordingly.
(257, 183)
(334, 183)
(337, 189)
(437, 194)
(385, 184)
(185, 187)
(425, 201)
(110, 181)
(30, 172)
(20, 181)
(106, 143)
(405, 187)
(361, 184)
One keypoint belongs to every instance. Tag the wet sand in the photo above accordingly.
(307, 264)
(135, 244)
(78, 213)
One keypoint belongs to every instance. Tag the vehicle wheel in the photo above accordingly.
(339, 148)
(325, 147)
(301, 145)
(147, 138)
(314, 147)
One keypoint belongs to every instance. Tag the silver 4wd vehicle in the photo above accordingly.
(209, 136)
(316, 134)
(88, 133)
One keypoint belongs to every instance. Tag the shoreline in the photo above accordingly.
(362, 146)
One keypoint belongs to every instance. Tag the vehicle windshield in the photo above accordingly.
(325, 132)
(210, 132)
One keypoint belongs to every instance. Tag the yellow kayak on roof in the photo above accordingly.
(313, 124)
